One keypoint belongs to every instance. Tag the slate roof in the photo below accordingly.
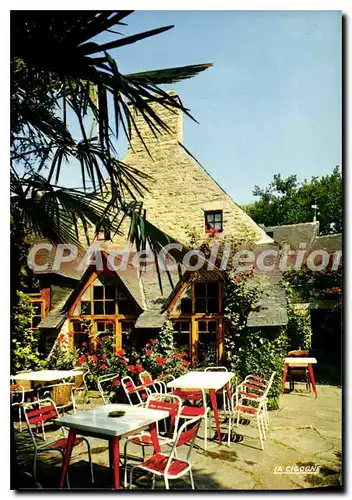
(294, 234)
(57, 314)
(145, 289)
(272, 309)
(330, 243)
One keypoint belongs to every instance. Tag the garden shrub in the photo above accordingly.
(248, 351)
(298, 330)
(158, 356)
(60, 357)
(25, 343)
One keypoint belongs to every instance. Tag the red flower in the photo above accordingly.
(180, 356)
(155, 341)
(147, 345)
(94, 358)
(139, 368)
(136, 356)
(62, 338)
(131, 368)
(124, 362)
(148, 352)
(185, 355)
(120, 352)
(238, 279)
(160, 361)
(116, 383)
(70, 334)
(82, 359)
(104, 356)
(103, 366)
(84, 344)
(185, 363)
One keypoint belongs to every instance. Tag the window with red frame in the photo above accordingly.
(213, 221)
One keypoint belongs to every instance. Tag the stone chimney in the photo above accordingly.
(172, 117)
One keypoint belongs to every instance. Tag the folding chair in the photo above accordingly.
(169, 403)
(169, 466)
(41, 412)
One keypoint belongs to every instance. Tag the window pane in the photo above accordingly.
(98, 292)
(109, 307)
(79, 338)
(212, 289)
(185, 326)
(218, 226)
(182, 341)
(200, 289)
(213, 306)
(86, 295)
(85, 308)
(76, 326)
(98, 307)
(202, 326)
(201, 306)
(110, 292)
(186, 306)
(100, 326)
(210, 217)
(211, 326)
(37, 308)
(218, 217)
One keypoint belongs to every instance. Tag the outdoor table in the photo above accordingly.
(210, 382)
(46, 375)
(307, 362)
(97, 423)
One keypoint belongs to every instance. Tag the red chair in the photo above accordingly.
(255, 386)
(157, 385)
(142, 392)
(169, 403)
(168, 466)
(40, 412)
(197, 408)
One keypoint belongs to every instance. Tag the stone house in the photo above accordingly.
(181, 197)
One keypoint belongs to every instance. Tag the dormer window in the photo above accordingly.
(213, 221)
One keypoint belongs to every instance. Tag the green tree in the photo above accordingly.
(288, 201)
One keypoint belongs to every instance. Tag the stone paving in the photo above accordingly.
(304, 432)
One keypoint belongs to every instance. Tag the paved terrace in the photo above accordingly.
(304, 431)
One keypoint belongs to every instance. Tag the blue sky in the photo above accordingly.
(271, 103)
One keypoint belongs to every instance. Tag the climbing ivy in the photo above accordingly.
(247, 351)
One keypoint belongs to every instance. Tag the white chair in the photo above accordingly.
(225, 400)
(141, 392)
(105, 381)
(158, 385)
(257, 410)
(256, 385)
(169, 466)
(40, 412)
(169, 403)
(196, 410)
(17, 391)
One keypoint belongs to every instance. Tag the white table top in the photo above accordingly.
(300, 361)
(46, 375)
(96, 420)
(202, 380)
